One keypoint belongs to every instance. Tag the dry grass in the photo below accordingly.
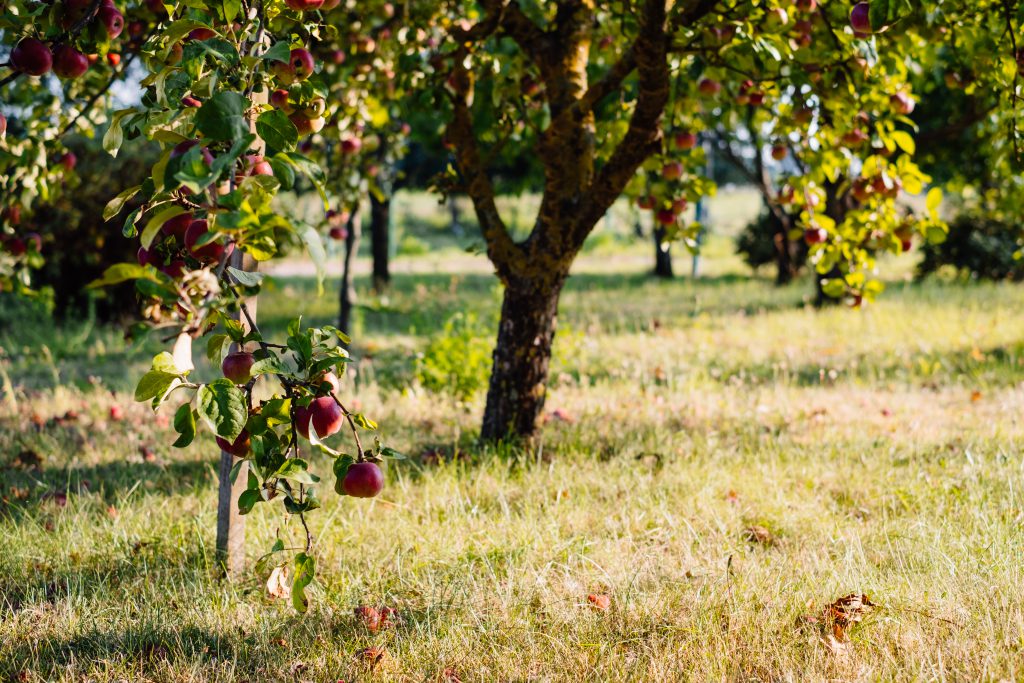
(881, 450)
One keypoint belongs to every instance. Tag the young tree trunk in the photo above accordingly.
(662, 255)
(785, 268)
(515, 397)
(380, 240)
(347, 294)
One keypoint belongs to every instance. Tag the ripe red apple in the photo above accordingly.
(673, 170)
(351, 145)
(803, 26)
(113, 59)
(860, 18)
(201, 34)
(709, 87)
(68, 160)
(279, 100)
(665, 216)
(684, 140)
(861, 190)
(174, 269)
(678, 206)
(299, 66)
(239, 447)
(814, 235)
(338, 234)
(185, 146)
(237, 366)
(175, 54)
(111, 19)
(156, 7)
(31, 56)
(257, 165)
(806, 5)
(325, 415)
(779, 152)
(211, 251)
(331, 379)
(306, 125)
(363, 480)
(755, 98)
(16, 246)
(645, 202)
(304, 5)
(315, 108)
(69, 62)
(901, 103)
(3, 125)
(854, 137)
(116, 413)
(177, 226)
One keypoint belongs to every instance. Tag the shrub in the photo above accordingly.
(977, 246)
(458, 360)
(412, 246)
(756, 243)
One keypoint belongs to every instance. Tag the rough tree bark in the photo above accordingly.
(380, 240)
(346, 291)
(577, 191)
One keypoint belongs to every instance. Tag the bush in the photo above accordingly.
(412, 246)
(77, 243)
(458, 360)
(756, 243)
(977, 246)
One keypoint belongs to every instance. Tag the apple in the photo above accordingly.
(31, 56)
(803, 115)
(665, 216)
(331, 379)
(3, 125)
(299, 66)
(860, 18)
(365, 44)
(16, 246)
(210, 251)
(363, 480)
(304, 5)
(112, 20)
(182, 147)
(684, 140)
(338, 233)
(237, 366)
(189, 101)
(678, 206)
(646, 202)
(12, 214)
(156, 7)
(324, 414)
(803, 26)
(175, 54)
(337, 56)
(315, 109)
(68, 160)
(201, 34)
(239, 447)
(142, 256)
(605, 43)
(174, 269)
(69, 62)
(279, 100)
(258, 165)
(113, 59)
(786, 195)
(709, 87)
(953, 80)
(306, 125)
(673, 170)
(814, 235)
(177, 227)
(807, 5)
(901, 103)
(36, 240)
(136, 29)
(116, 413)
(351, 145)
(755, 98)
(854, 137)
(861, 190)
(779, 152)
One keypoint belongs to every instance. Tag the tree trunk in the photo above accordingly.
(522, 355)
(347, 295)
(662, 254)
(785, 268)
(380, 240)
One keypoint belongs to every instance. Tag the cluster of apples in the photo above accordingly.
(307, 116)
(34, 57)
(363, 479)
(182, 239)
(18, 245)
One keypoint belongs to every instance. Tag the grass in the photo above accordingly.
(881, 449)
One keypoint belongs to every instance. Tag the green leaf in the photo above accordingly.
(363, 421)
(391, 453)
(277, 131)
(297, 470)
(229, 9)
(154, 224)
(222, 117)
(161, 379)
(305, 568)
(121, 272)
(280, 52)
(223, 406)
(315, 247)
(216, 345)
(933, 200)
(248, 500)
(115, 205)
(246, 277)
(128, 229)
(114, 136)
(904, 141)
(268, 366)
(185, 425)
(277, 411)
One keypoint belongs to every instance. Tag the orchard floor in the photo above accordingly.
(879, 449)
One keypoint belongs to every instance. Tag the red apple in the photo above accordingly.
(210, 251)
(901, 103)
(189, 101)
(854, 137)
(177, 227)
(306, 125)
(237, 366)
(339, 234)
(806, 5)
(201, 34)
(645, 202)
(3, 125)
(69, 62)
(113, 59)
(142, 256)
(860, 18)
(678, 206)
(257, 165)
(31, 56)
(779, 152)
(35, 240)
(279, 99)
(299, 66)
(814, 235)
(363, 480)
(331, 379)
(684, 140)
(708, 87)
(665, 216)
(351, 145)
(175, 54)
(803, 115)
(325, 415)
(174, 269)
(185, 146)
(673, 170)
(116, 413)
(112, 20)
(239, 447)
(304, 5)
(68, 160)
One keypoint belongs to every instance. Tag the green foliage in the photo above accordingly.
(979, 247)
(456, 361)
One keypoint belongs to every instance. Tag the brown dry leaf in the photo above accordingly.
(758, 534)
(977, 354)
(278, 585)
(450, 675)
(846, 611)
(28, 459)
(561, 494)
(372, 656)
(280, 642)
(975, 396)
(369, 616)
(599, 601)
(388, 616)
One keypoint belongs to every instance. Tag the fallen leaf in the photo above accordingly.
(599, 601)
(975, 396)
(388, 616)
(758, 534)
(371, 656)
(450, 675)
(28, 459)
(846, 611)
(278, 585)
(369, 616)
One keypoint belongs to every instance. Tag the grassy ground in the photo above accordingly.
(880, 450)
